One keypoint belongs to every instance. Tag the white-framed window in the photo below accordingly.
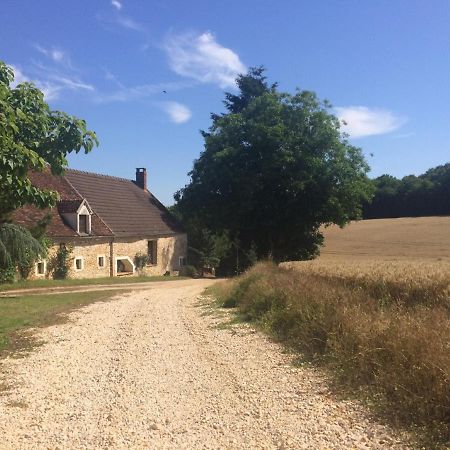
(101, 261)
(41, 268)
(84, 223)
(182, 261)
(78, 263)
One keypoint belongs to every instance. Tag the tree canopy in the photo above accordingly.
(412, 196)
(32, 138)
(275, 167)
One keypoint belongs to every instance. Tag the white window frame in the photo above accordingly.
(88, 222)
(75, 263)
(36, 270)
(104, 261)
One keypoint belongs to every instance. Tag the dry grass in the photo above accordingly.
(383, 329)
(416, 238)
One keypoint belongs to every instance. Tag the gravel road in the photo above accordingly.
(154, 369)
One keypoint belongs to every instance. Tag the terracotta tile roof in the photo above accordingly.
(70, 200)
(127, 209)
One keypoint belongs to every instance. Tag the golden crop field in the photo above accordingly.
(409, 238)
(409, 257)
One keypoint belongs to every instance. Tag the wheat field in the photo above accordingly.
(408, 238)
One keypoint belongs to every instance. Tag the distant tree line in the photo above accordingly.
(411, 196)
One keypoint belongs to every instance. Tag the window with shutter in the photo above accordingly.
(152, 252)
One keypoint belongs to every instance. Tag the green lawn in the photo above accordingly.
(22, 312)
(24, 284)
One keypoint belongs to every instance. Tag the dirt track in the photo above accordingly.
(152, 369)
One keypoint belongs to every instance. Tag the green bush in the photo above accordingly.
(60, 263)
(191, 271)
(7, 275)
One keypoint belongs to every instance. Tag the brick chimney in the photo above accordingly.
(141, 177)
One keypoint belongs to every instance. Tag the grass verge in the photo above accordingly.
(395, 354)
(17, 314)
(49, 283)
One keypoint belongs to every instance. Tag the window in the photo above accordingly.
(83, 224)
(79, 263)
(40, 268)
(182, 261)
(101, 261)
(152, 252)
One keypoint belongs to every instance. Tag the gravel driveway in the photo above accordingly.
(152, 369)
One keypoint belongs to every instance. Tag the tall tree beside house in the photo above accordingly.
(275, 167)
(32, 138)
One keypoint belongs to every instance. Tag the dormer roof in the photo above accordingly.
(70, 202)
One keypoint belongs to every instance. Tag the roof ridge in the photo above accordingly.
(98, 174)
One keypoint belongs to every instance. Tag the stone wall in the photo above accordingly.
(169, 251)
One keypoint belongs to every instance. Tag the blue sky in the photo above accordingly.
(384, 65)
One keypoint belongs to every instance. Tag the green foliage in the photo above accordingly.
(412, 196)
(275, 167)
(18, 246)
(38, 232)
(7, 274)
(208, 249)
(33, 137)
(141, 260)
(191, 271)
(60, 263)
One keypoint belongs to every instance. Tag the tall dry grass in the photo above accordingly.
(383, 331)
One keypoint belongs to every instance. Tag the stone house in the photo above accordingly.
(106, 221)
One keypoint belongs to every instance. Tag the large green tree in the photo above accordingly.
(275, 167)
(32, 138)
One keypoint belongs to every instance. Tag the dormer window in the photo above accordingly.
(83, 224)
(84, 214)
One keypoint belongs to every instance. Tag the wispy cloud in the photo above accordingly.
(201, 57)
(361, 121)
(177, 112)
(118, 18)
(140, 92)
(49, 89)
(129, 23)
(116, 4)
(50, 80)
(55, 54)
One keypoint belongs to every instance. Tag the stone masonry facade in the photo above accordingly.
(98, 258)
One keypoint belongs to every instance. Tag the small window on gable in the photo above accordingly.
(152, 252)
(40, 268)
(78, 263)
(83, 224)
(101, 261)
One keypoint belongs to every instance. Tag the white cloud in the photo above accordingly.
(361, 121)
(55, 54)
(19, 76)
(202, 58)
(128, 22)
(177, 112)
(116, 4)
(49, 82)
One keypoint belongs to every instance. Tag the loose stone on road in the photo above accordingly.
(152, 369)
